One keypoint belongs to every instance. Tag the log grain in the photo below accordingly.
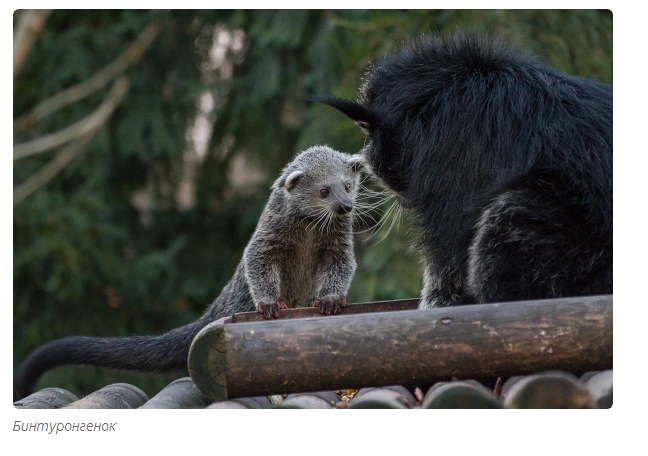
(47, 398)
(115, 396)
(230, 359)
(180, 394)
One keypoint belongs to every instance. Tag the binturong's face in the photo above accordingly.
(388, 161)
(321, 183)
(385, 157)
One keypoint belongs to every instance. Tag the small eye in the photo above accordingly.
(324, 192)
(347, 187)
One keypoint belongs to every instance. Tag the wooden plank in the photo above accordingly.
(404, 347)
(350, 309)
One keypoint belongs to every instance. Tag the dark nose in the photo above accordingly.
(344, 208)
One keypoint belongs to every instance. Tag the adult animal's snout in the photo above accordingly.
(344, 208)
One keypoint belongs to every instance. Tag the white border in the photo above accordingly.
(392, 432)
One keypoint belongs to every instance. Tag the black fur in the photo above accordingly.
(507, 162)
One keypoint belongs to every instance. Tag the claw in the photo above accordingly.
(330, 305)
(272, 310)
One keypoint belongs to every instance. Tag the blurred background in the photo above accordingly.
(145, 144)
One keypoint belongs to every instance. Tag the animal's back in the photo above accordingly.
(499, 155)
(471, 115)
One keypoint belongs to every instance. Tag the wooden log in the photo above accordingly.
(328, 396)
(315, 400)
(460, 395)
(587, 375)
(438, 385)
(206, 356)
(508, 384)
(351, 309)
(600, 387)
(260, 402)
(305, 401)
(400, 389)
(549, 390)
(47, 398)
(115, 396)
(229, 359)
(233, 404)
(180, 394)
(383, 398)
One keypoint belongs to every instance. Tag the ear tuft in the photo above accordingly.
(362, 115)
(364, 126)
(292, 179)
(357, 163)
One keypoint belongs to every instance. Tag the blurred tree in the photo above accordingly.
(142, 230)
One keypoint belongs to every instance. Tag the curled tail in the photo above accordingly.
(166, 352)
(142, 353)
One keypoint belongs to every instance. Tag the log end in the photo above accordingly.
(549, 390)
(207, 360)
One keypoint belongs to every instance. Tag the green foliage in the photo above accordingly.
(107, 249)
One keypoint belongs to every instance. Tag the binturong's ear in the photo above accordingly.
(288, 182)
(357, 163)
(363, 117)
(292, 179)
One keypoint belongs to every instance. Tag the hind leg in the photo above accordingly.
(441, 287)
(531, 244)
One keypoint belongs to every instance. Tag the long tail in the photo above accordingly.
(166, 352)
(143, 353)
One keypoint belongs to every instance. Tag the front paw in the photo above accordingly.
(271, 310)
(331, 304)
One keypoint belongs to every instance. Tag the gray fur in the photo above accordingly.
(301, 253)
(292, 257)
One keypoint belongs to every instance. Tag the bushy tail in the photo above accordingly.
(166, 352)
(142, 353)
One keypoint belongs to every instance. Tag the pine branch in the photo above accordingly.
(91, 122)
(67, 154)
(29, 27)
(131, 55)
